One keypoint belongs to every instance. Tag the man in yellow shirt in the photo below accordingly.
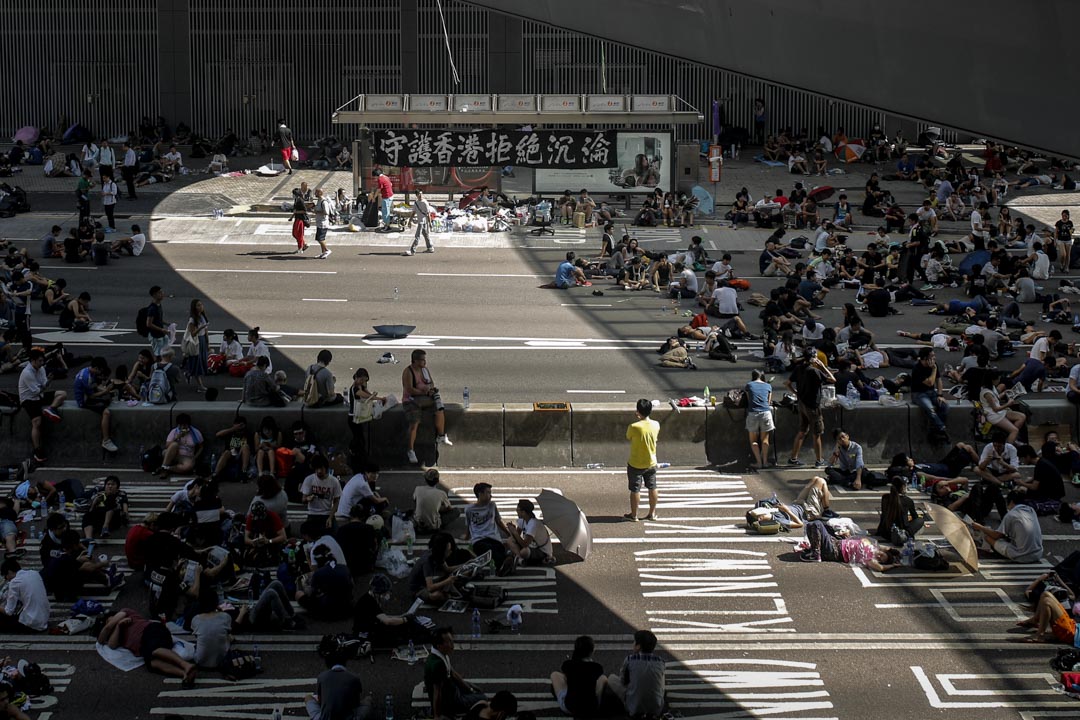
(641, 467)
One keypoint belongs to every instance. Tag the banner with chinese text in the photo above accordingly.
(564, 149)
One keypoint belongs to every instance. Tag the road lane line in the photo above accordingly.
(231, 270)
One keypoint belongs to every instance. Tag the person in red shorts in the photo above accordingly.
(286, 144)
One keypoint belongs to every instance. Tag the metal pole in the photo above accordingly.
(356, 160)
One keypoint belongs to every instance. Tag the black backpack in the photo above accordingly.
(140, 322)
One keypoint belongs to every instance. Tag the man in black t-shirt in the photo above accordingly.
(1046, 482)
(806, 381)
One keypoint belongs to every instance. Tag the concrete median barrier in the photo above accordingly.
(881, 430)
(536, 438)
(477, 434)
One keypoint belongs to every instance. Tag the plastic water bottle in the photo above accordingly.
(514, 616)
(476, 624)
(277, 714)
(595, 466)
(663, 465)
(907, 555)
(409, 540)
(63, 504)
(465, 397)
(707, 394)
(412, 652)
(213, 463)
(388, 713)
(257, 658)
(396, 295)
(44, 510)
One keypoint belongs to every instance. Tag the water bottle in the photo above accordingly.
(396, 295)
(412, 652)
(514, 616)
(907, 555)
(476, 624)
(213, 463)
(409, 539)
(465, 397)
(388, 713)
(706, 393)
(277, 714)
(257, 658)
(63, 504)
(663, 465)
(852, 393)
(44, 510)
(595, 466)
(90, 550)
(142, 451)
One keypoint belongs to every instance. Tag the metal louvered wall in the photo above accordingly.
(77, 62)
(467, 27)
(249, 62)
(254, 61)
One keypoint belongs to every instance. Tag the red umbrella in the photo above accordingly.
(823, 192)
(467, 198)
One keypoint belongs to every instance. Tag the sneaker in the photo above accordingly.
(110, 445)
(821, 463)
(407, 253)
(927, 287)
(322, 255)
(430, 250)
(444, 440)
(386, 358)
(810, 556)
(412, 457)
(794, 462)
(652, 517)
(51, 414)
(40, 458)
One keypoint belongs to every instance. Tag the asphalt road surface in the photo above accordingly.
(748, 630)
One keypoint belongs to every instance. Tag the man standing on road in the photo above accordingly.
(36, 401)
(286, 144)
(641, 467)
(128, 168)
(926, 392)
(155, 323)
(106, 161)
(386, 195)
(759, 417)
(82, 194)
(324, 208)
(806, 381)
(422, 216)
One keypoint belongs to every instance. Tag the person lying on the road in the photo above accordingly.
(150, 640)
(811, 503)
(852, 550)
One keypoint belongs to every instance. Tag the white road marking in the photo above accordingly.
(597, 392)
(278, 272)
(324, 299)
(1038, 693)
(66, 268)
(478, 275)
(582, 305)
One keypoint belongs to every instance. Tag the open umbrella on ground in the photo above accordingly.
(564, 518)
(821, 193)
(28, 134)
(850, 151)
(958, 535)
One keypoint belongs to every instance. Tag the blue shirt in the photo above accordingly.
(807, 288)
(84, 386)
(757, 396)
(564, 276)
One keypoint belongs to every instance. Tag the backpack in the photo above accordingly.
(760, 520)
(140, 322)
(735, 398)
(158, 388)
(310, 393)
(238, 665)
(32, 681)
(151, 459)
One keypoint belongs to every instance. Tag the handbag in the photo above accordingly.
(189, 346)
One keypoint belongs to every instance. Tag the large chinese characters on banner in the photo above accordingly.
(565, 149)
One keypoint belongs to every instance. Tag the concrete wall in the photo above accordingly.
(928, 60)
(496, 435)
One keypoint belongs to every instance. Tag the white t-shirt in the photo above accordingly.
(354, 492)
(976, 224)
(1040, 347)
(26, 594)
(259, 349)
(108, 193)
(1009, 455)
(722, 270)
(1041, 271)
(926, 214)
(231, 350)
(872, 358)
(989, 398)
(541, 538)
(323, 491)
(691, 279)
(330, 544)
(726, 301)
(815, 333)
(174, 157)
(138, 242)
(940, 341)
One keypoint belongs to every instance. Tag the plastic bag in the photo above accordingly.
(400, 529)
(393, 562)
(295, 154)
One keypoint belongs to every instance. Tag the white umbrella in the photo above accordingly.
(564, 518)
